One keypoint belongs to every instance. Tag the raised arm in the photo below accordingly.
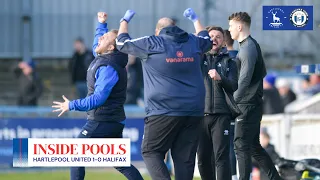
(106, 78)
(204, 39)
(139, 47)
(125, 20)
(100, 30)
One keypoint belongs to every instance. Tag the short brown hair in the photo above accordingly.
(242, 17)
(228, 39)
(216, 28)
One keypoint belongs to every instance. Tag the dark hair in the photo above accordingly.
(216, 28)
(229, 41)
(79, 39)
(242, 17)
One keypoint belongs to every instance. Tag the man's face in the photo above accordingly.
(314, 79)
(106, 43)
(283, 91)
(78, 46)
(266, 84)
(217, 40)
(264, 140)
(234, 28)
(26, 69)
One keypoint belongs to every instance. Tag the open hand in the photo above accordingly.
(61, 106)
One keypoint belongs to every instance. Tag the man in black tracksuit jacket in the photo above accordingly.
(220, 74)
(249, 99)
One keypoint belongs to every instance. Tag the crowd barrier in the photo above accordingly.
(295, 136)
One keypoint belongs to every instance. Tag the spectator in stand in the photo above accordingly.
(78, 66)
(271, 96)
(135, 80)
(286, 94)
(312, 87)
(269, 148)
(30, 85)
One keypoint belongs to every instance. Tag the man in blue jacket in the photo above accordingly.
(174, 92)
(107, 84)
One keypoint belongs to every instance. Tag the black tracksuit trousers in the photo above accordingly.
(214, 148)
(247, 143)
(180, 134)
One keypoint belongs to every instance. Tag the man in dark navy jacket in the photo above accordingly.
(107, 85)
(174, 92)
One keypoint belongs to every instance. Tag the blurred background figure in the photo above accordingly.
(229, 44)
(135, 81)
(311, 85)
(271, 97)
(30, 85)
(78, 66)
(285, 91)
(269, 148)
(265, 143)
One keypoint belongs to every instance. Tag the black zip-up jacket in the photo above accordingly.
(215, 100)
(251, 73)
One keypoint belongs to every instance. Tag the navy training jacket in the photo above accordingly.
(173, 83)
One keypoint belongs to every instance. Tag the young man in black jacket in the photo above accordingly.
(249, 99)
(220, 77)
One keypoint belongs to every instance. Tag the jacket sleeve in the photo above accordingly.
(230, 83)
(140, 47)
(204, 41)
(100, 30)
(248, 60)
(106, 78)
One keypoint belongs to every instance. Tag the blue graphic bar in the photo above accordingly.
(308, 69)
(20, 152)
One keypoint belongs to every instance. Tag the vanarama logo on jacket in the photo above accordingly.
(70, 152)
(179, 58)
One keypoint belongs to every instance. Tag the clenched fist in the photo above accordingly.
(214, 74)
(102, 17)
